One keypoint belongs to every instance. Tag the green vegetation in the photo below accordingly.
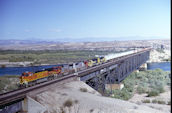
(68, 103)
(146, 101)
(8, 83)
(49, 56)
(154, 101)
(151, 82)
(161, 102)
(169, 103)
(153, 92)
(83, 90)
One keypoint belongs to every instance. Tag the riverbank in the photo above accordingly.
(4, 64)
(17, 58)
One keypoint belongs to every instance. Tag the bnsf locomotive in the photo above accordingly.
(30, 78)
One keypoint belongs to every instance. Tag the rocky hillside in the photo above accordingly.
(77, 97)
(103, 45)
(160, 55)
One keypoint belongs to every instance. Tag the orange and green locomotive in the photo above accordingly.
(29, 78)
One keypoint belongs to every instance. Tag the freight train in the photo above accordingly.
(30, 78)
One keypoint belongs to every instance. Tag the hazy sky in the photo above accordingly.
(58, 19)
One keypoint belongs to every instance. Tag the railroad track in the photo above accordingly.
(20, 94)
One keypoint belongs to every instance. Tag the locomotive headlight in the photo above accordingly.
(25, 82)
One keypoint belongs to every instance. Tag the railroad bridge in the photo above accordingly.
(103, 75)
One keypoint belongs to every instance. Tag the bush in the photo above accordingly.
(146, 101)
(169, 103)
(161, 89)
(154, 101)
(68, 103)
(142, 89)
(153, 93)
(161, 102)
(123, 94)
(83, 89)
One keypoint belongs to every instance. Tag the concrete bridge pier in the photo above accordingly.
(114, 86)
(111, 83)
(29, 105)
(143, 67)
(25, 105)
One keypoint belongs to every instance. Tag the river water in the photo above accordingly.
(166, 66)
(20, 70)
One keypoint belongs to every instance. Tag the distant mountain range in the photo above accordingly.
(79, 45)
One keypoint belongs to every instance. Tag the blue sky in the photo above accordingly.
(81, 19)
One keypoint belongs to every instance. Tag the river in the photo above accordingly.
(166, 66)
(20, 70)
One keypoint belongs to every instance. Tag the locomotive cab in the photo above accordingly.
(24, 77)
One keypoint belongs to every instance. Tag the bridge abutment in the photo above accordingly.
(29, 105)
(143, 67)
(114, 86)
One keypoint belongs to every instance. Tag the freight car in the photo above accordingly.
(96, 61)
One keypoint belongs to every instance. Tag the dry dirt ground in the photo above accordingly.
(77, 97)
(166, 97)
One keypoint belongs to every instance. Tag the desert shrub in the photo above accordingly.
(12, 86)
(4, 81)
(68, 103)
(161, 89)
(142, 89)
(159, 86)
(91, 110)
(161, 102)
(83, 89)
(169, 103)
(123, 94)
(154, 101)
(153, 92)
(146, 101)
(76, 101)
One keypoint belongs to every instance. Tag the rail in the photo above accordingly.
(18, 94)
(15, 95)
